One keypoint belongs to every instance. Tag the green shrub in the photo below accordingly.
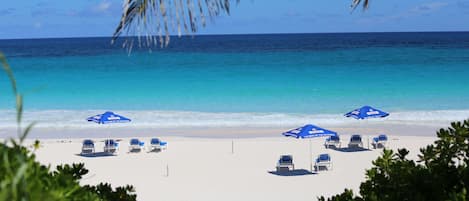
(441, 173)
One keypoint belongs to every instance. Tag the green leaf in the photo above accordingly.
(7, 69)
(26, 131)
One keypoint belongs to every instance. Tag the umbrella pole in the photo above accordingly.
(310, 156)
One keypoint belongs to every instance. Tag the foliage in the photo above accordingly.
(23, 178)
(365, 4)
(156, 19)
(441, 173)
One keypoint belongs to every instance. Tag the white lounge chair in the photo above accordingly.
(332, 141)
(355, 141)
(285, 162)
(323, 160)
(110, 146)
(380, 141)
(136, 145)
(157, 144)
(87, 147)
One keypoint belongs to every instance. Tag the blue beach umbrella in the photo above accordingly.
(366, 112)
(309, 131)
(108, 117)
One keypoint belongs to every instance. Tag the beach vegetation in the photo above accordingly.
(440, 173)
(23, 178)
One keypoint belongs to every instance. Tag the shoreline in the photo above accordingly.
(217, 132)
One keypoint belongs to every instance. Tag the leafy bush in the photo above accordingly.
(23, 178)
(441, 173)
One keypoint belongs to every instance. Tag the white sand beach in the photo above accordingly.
(205, 168)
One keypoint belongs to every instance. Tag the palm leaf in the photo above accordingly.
(7, 69)
(153, 18)
(355, 3)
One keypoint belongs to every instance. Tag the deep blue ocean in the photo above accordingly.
(244, 77)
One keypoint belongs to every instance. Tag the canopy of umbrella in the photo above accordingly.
(366, 112)
(309, 131)
(108, 117)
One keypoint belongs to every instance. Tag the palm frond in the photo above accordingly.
(355, 3)
(156, 20)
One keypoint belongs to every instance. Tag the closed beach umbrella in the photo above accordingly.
(309, 131)
(366, 112)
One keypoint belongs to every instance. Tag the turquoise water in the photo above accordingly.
(299, 74)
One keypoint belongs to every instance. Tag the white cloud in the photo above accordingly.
(103, 6)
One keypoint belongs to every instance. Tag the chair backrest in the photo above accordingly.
(155, 141)
(109, 142)
(334, 138)
(286, 159)
(356, 138)
(135, 141)
(383, 137)
(88, 142)
(324, 157)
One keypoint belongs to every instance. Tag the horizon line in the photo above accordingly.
(240, 34)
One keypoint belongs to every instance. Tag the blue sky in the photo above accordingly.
(81, 18)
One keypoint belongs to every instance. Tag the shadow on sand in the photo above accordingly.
(349, 149)
(96, 154)
(154, 151)
(297, 172)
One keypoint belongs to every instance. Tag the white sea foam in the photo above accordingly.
(163, 119)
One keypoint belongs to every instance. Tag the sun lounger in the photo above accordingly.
(157, 144)
(323, 160)
(87, 147)
(285, 162)
(110, 146)
(136, 145)
(355, 141)
(332, 141)
(380, 141)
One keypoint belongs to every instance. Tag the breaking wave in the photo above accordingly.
(168, 119)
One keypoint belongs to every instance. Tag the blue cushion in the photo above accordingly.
(334, 138)
(323, 157)
(155, 141)
(356, 138)
(286, 159)
(383, 137)
(134, 142)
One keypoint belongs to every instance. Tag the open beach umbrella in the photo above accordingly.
(366, 112)
(108, 118)
(309, 131)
